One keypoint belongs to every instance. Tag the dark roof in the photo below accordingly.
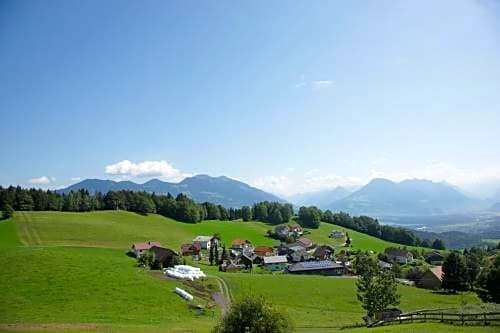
(313, 265)
(396, 252)
(434, 255)
(306, 242)
(323, 250)
(161, 253)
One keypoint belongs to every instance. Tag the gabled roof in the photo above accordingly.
(323, 250)
(438, 272)
(240, 242)
(314, 265)
(145, 246)
(275, 260)
(304, 242)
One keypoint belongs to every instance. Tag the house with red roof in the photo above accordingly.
(140, 248)
(432, 278)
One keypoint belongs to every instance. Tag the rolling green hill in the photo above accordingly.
(69, 272)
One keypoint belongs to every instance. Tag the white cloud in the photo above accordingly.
(315, 84)
(161, 169)
(43, 180)
(75, 179)
(274, 184)
(321, 84)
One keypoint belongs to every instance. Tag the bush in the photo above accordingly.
(253, 314)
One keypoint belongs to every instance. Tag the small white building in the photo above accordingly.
(205, 241)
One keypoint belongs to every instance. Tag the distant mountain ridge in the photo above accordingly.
(219, 190)
(321, 199)
(410, 197)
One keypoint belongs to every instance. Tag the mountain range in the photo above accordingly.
(219, 190)
(382, 197)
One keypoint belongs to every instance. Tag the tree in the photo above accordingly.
(246, 213)
(438, 244)
(348, 240)
(211, 255)
(396, 270)
(253, 314)
(377, 289)
(7, 212)
(147, 259)
(309, 217)
(473, 263)
(489, 283)
(275, 217)
(454, 273)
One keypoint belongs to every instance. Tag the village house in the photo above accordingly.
(275, 263)
(434, 258)
(432, 278)
(384, 265)
(164, 257)
(337, 234)
(190, 249)
(231, 266)
(298, 253)
(263, 251)
(240, 244)
(140, 248)
(305, 242)
(205, 242)
(398, 255)
(323, 267)
(288, 230)
(323, 252)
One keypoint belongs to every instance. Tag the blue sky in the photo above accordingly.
(288, 96)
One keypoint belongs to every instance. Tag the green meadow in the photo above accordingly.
(69, 272)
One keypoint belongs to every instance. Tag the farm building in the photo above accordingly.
(140, 248)
(337, 234)
(432, 278)
(190, 249)
(434, 258)
(399, 255)
(164, 257)
(275, 263)
(305, 242)
(205, 242)
(263, 251)
(324, 267)
(323, 252)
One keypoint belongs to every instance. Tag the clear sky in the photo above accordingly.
(289, 96)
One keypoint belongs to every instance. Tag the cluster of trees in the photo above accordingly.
(310, 217)
(272, 212)
(470, 271)
(376, 286)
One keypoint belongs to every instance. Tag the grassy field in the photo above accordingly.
(69, 272)
(316, 301)
(120, 229)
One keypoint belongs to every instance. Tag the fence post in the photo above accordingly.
(484, 316)
(442, 317)
(462, 318)
(425, 316)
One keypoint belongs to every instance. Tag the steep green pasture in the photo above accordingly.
(120, 229)
(89, 286)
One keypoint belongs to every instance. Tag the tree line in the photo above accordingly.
(181, 207)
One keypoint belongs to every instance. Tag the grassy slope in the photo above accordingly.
(54, 280)
(308, 298)
(120, 229)
(87, 285)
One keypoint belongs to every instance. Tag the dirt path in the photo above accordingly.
(222, 298)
